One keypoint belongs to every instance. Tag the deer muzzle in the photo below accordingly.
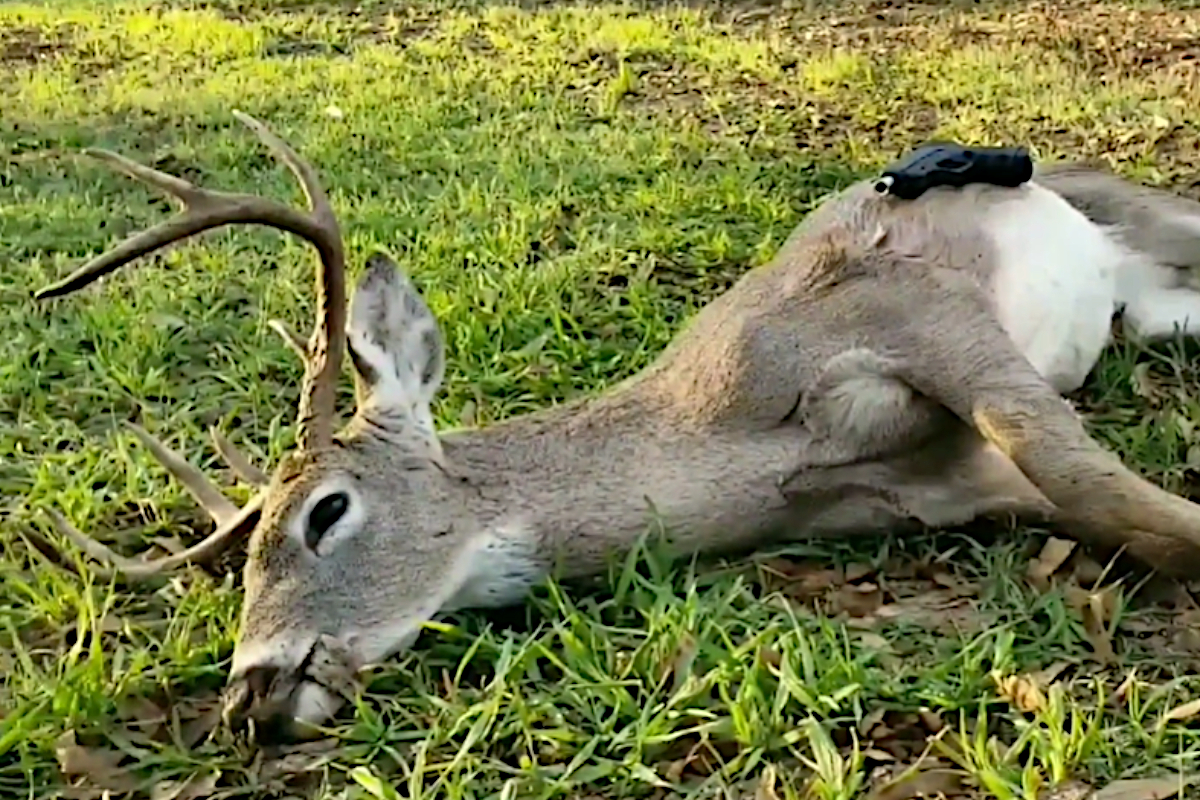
(277, 704)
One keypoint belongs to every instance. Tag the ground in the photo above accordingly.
(566, 183)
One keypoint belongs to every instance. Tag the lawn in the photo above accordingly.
(566, 183)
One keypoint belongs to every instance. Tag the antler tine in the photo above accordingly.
(318, 200)
(205, 209)
(199, 487)
(327, 346)
(232, 522)
(241, 465)
(203, 552)
(290, 337)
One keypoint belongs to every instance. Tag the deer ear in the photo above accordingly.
(396, 348)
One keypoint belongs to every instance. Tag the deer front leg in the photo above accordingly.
(906, 459)
(959, 355)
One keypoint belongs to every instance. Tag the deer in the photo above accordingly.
(897, 365)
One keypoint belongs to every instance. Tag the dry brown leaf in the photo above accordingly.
(1186, 631)
(931, 720)
(770, 656)
(97, 768)
(936, 609)
(874, 642)
(198, 728)
(1054, 554)
(193, 788)
(1021, 691)
(766, 784)
(857, 571)
(1145, 788)
(900, 736)
(1121, 695)
(803, 581)
(143, 720)
(871, 719)
(925, 783)
(680, 666)
(299, 759)
(673, 771)
(1182, 712)
(1096, 609)
(1087, 570)
(1047, 675)
(857, 599)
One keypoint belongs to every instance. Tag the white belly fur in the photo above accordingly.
(1055, 288)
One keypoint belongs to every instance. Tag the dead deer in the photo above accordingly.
(897, 364)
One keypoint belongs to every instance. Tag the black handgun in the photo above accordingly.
(951, 164)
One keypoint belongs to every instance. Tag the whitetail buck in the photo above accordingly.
(897, 363)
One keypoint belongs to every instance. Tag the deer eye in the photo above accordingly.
(328, 510)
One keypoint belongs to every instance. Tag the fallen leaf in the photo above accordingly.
(1186, 631)
(857, 571)
(99, 768)
(1096, 609)
(1087, 570)
(936, 609)
(299, 760)
(926, 783)
(1054, 554)
(901, 736)
(1182, 712)
(766, 784)
(201, 723)
(679, 668)
(871, 719)
(142, 718)
(858, 599)
(956, 587)
(931, 720)
(1121, 695)
(801, 581)
(1145, 788)
(674, 770)
(874, 641)
(770, 656)
(1047, 675)
(192, 788)
(1022, 692)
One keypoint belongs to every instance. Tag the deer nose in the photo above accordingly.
(259, 680)
(256, 696)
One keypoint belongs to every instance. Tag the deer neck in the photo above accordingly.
(571, 486)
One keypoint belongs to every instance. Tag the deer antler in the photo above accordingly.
(232, 522)
(205, 209)
(202, 210)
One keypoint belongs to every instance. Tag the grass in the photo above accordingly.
(566, 183)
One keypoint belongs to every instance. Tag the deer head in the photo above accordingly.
(322, 591)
